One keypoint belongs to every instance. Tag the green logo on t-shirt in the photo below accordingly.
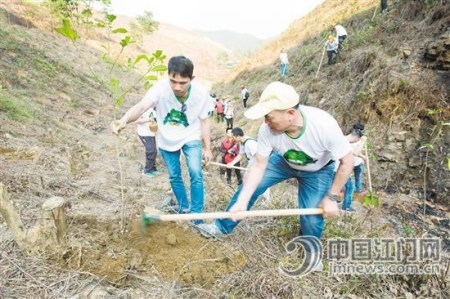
(298, 157)
(176, 118)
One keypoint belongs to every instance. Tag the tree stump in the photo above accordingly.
(12, 218)
(51, 230)
(54, 207)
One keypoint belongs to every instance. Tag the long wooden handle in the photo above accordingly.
(225, 165)
(320, 64)
(243, 214)
(368, 168)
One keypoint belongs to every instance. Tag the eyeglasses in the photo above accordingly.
(183, 108)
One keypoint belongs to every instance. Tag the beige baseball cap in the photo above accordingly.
(276, 96)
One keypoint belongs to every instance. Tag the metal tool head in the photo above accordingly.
(148, 217)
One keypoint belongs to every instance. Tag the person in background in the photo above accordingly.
(284, 61)
(331, 46)
(146, 129)
(230, 149)
(245, 95)
(229, 113)
(182, 113)
(341, 35)
(219, 110)
(249, 148)
(357, 141)
(384, 5)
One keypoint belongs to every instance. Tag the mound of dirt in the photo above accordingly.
(169, 250)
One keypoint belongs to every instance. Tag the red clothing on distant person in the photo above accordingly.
(219, 107)
(229, 149)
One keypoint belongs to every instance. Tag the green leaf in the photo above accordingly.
(157, 53)
(110, 18)
(159, 68)
(151, 78)
(140, 57)
(114, 82)
(67, 30)
(147, 85)
(119, 101)
(125, 41)
(120, 30)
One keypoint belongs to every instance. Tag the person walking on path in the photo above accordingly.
(341, 35)
(146, 130)
(182, 108)
(295, 141)
(331, 45)
(284, 61)
(219, 110)
(230, 148)
(245, 95)
(229, 114)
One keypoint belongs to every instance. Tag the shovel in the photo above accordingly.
(149, 218)
(225, 165)
(370, 199)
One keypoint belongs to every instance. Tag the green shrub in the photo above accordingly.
(18, 109)
(362, 37)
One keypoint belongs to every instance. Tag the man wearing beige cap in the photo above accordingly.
(295, 141)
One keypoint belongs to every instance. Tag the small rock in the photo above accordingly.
(171, 239)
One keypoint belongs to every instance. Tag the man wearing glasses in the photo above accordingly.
(182, 112)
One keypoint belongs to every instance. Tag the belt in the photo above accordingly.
(329, 163)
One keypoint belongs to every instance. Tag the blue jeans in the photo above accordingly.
(312, 188)
(283, 69)
(358, 170)
(349, 188)
(193, 154)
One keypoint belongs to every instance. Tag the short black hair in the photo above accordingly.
(237, 132)
(358, 126)
(181, 65)
(358, 130)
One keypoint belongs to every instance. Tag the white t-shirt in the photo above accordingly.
(340, 31)
(357, 147)
(284, 58)
(177, 127)
(320, 141)
(249, 147)
(143, 129)
(243, 92)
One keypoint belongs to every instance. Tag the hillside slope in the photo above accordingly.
(238, 42)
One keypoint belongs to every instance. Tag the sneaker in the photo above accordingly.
(350, 210)
(150, 174)
(209, 230)
(196, 222)
(363, 191)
